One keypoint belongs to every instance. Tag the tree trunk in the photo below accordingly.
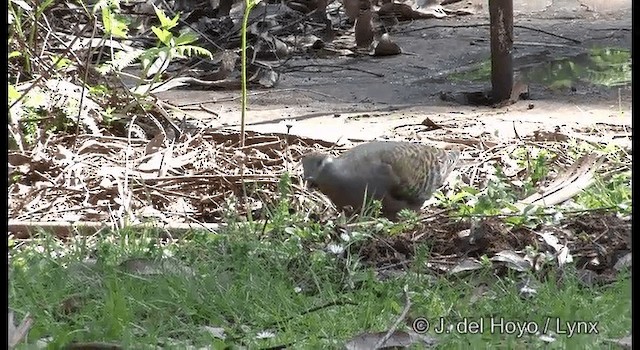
(501, 16)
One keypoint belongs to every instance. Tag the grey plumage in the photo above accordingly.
(399, 174)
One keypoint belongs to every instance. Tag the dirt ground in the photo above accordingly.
(391, 96)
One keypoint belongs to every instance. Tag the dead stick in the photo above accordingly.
(486, 25)
(302, 67)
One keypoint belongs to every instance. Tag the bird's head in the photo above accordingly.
(313, 165)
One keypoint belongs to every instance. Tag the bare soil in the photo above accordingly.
(389, 97)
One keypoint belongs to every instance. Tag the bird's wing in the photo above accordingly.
(419, 169)
(410, 167)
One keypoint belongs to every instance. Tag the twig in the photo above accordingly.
(255, 177)
(432, 215)
(487, 25)
(425, 218)
(508, 215)
(400, 318)
(528, 43)
(548, 33)
(83, 92)
(302, 18)
(208, 110)
(322, 114)
(43, 76)
(302, 67)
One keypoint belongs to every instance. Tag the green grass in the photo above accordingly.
(247, 286)
(254, 280)
(608, 67)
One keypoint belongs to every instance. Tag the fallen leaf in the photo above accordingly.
(468, 264)
(513, 260)
(430, 124)
(386, 47)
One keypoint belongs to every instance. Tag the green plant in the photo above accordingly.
(155, 60)
(469, 201)
(23, 66)
(279, 213)
(611, 188)
(300, 292)
(536, 161)
(248, 6)
(407, 220)
(502, 193)
(115, 24)
(23, 19)
(28, 112)
(610, 192)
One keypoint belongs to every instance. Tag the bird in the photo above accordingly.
(400, 174)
